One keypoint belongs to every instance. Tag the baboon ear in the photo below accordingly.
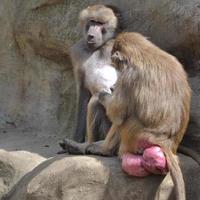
(117, 56)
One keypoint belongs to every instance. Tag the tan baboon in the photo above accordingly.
(149, 107)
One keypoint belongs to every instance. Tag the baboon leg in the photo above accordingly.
(73, 147)
(80, 131)
(91, 118)
(107, 147)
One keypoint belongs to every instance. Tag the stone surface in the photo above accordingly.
(42, 143)
(192, 138)
(97, 178)
(14, 165)
(36, 80)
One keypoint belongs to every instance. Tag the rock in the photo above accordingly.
(98, 178)
(43, 143)
(14, 165)
(36, 80)
(192, 137)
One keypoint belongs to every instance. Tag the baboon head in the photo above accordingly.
(99, 24)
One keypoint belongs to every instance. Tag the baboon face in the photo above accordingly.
(95, 33)
(99, 24)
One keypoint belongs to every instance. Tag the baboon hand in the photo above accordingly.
(96, 148)
(103, 95)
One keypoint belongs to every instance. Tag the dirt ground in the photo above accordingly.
(44, 144)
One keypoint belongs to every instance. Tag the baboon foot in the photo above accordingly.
(96, 149)
(72, 147)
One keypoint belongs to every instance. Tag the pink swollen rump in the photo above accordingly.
(152, 161)
(132, 165)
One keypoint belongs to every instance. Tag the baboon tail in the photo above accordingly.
(176, 174)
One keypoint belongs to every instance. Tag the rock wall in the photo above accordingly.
(36, 81)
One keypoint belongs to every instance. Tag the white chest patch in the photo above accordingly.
(103, 75)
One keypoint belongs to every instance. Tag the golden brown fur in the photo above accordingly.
(150, 102)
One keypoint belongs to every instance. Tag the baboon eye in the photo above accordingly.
(100, 23)
(104, 31)
(92, 21)
(87, 27)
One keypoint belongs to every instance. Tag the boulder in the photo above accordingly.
(14, 165)
(98, 178)
(192, 136)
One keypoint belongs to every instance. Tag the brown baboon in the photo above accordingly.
(91, 58)
(149, 107)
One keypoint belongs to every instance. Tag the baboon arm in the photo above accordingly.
(80, 131)
(116, 111)
(107, 144)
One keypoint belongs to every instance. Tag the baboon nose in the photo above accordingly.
(90, 37)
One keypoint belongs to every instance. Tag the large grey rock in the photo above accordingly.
(192, 137)
(14, 165)
(98, 178)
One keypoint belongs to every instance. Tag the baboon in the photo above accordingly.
(91, 58)
(149, 107)
(93, 72)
